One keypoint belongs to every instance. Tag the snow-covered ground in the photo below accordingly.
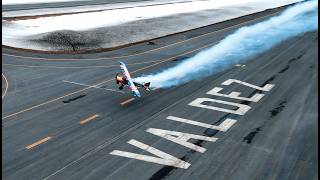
(11, 2)
(90, 8)
(91, 20)
(16, 33)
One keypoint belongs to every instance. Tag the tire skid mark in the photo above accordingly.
(75, 98)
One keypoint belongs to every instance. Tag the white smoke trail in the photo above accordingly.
(239, 46)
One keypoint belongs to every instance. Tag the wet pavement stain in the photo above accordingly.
(151, 43)
(284, 69)
(75, 98)
(278, 109)
(181, 58)
(251, 135)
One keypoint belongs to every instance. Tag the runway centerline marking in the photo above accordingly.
(117, 57)
(7, 85)
(127, 101)
(89, 119)
(75, 92)
(38, 142)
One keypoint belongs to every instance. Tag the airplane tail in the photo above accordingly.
(146, 86)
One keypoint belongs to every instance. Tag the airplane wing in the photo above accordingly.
(145, 85)
(132, 87)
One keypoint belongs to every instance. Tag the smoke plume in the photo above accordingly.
(244, 43)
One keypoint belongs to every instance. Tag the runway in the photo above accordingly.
(53, 129)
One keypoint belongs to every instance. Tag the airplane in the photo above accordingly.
(126, 80)
(123, 81)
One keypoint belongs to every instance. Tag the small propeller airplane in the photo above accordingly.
(126, 80)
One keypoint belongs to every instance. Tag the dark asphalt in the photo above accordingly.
(276, 139)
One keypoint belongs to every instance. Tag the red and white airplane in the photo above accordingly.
(126, 80)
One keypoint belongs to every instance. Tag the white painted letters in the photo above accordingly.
(242, 108)
(163, 158)
(224, 126)
(267, 87)
(235, 95)
(181, 138)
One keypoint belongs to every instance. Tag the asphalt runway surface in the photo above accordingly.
(52, 129)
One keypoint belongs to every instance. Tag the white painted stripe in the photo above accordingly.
(81, 84)
(97, 87)
(267, 87)
(181, 138)
(235, 95)
(242, 108)
(224, 126)
(6, 86)
(164, 158)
